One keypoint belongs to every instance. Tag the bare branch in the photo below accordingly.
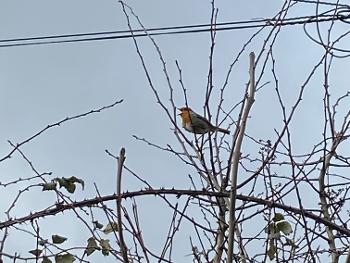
(123, 247)
(236, 156)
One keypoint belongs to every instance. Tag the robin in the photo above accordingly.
(195, 123)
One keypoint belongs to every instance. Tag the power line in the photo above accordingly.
(199, 28)
(128, 31)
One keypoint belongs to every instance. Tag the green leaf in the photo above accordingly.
(271, 252)
(70, 187)
(74, 180)
(64, 258)
(285, 227)
(56, 239)
(278, 217)
(69, 183)
(36, 252)
(62, 182)
(276, 235)
(270, 228)
(111, 227)
(49, 186)
(105, 246)
(91, 246)
(46, 260)
(272, 232)
(97, 224)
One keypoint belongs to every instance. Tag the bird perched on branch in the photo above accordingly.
(195, 123)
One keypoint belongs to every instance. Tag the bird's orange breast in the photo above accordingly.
(185, 115)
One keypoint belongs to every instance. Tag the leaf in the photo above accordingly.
(49, 186)
(56, 239)
(91, 246)
(111, 227)
(74, 180)
(36, 252)
(285, 227)
(271, 252)
(270, 228)
(46, 260)
(64, 258)
(69, 183)
(62, 182)
(272, 232)
(276, 235)
(105, 246)
(70, 187)
(97, 224)
(278, 217)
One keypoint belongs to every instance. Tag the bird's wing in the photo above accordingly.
(203, 119)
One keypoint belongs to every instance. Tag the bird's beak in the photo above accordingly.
(179, 110)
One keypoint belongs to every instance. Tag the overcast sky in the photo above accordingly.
(42, 84)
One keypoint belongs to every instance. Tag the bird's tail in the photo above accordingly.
(222, 130)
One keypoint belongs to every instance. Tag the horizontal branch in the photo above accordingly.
(94, 201)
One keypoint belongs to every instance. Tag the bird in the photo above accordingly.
(195, 123)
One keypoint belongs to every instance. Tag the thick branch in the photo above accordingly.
(236, 156)
(123, 247)
(323, 198)
(195, 193)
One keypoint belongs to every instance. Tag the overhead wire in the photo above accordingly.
(121, 34)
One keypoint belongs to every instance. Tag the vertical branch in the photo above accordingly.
(37, 230)
(325, 206)
(323, 198)
(220, 236)
(348, 256)
(234, 162)
(123, 247)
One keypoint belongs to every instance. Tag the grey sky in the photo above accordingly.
(42, 84)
